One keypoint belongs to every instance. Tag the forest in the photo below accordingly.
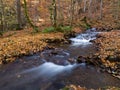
(59, 44)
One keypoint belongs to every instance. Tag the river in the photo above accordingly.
(54, 68)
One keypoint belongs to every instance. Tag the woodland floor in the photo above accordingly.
(108, 44)
(17, 43)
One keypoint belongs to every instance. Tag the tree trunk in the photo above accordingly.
(60, 15)
(54, 14)
(85, 1)
(28, 18)
(19, 20)
(72, 13)
(118, 7)
(2, 17)
(90, 8)
(101, 7)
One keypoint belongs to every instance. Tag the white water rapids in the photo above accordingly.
(84, 38)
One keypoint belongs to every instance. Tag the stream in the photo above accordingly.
(54, 68)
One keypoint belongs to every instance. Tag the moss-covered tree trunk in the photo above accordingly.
(28, 18)
(19, 20)
(54, 14)
(101, 7)
(2, 26)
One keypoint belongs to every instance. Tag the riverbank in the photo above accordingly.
(108, 44)
(18, 43)
(15, 46)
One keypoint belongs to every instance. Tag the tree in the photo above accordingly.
(60, 14)
(90, 8)
(28, 18)
(19, 20)
(2, 17)
(85, 1)
(54, 13)
(72, 12)
(101, 7)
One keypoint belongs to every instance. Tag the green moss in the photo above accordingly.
(66, 28)
(48, 30)
(57, 29)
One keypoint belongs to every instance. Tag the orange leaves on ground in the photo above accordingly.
(109, 47)
(23, 44)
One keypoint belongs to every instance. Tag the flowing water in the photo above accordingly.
(52, 69)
